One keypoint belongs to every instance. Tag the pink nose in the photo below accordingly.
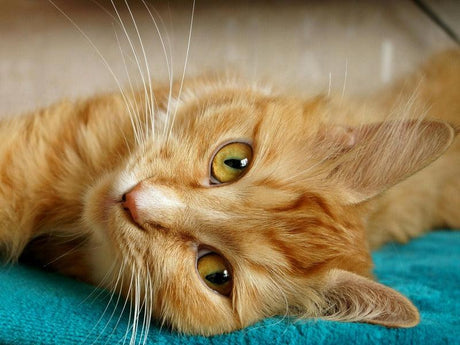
(130, 202)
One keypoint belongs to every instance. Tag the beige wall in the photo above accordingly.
(304, 45)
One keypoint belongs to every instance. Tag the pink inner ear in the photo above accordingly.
(371, 158)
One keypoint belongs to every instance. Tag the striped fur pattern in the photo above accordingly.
(296, 229)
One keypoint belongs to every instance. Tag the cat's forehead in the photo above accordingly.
(201, 123)
(233, 112)
(204, 119)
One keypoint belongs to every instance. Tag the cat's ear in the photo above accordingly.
(350, 297)
(376, 156)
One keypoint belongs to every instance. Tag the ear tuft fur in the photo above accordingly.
(387, 152)
(350, 297)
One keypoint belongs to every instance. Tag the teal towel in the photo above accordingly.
(37, 307)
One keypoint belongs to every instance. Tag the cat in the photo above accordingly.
(217, 203)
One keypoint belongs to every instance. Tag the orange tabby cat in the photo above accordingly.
(229, 203)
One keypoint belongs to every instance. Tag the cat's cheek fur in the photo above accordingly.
(194, 309)
(126, 250)
(165, 265)
(98, 202)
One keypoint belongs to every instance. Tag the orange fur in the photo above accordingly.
(296, 228)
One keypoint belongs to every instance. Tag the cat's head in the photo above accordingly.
(247, 206)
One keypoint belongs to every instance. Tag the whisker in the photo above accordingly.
(106, 308)
(168, 61)
(344, 80)
(118, 299)
(150, 100)
(135, 120)
(149, 303)
(68, 252)
(171, 79)
(144, 307)
(137, 307)
(132, 120)
(133, 50)
(185, 68)
(130, 289)
(99, 53)
(99, 287)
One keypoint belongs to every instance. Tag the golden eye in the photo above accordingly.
(230, 162)
(215, 273)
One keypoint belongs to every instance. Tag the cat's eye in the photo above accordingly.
(230, 162)
(215, 273)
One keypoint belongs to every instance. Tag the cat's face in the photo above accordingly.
(230, 215)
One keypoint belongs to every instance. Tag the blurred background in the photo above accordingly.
(74, 48)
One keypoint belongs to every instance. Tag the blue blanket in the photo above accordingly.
(37, 307)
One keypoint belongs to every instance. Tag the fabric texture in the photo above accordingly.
(38, 307)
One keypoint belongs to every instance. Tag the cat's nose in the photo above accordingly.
(152, 204)
(130, 202)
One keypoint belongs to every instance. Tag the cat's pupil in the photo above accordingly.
(237, 163)
(219, 278)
